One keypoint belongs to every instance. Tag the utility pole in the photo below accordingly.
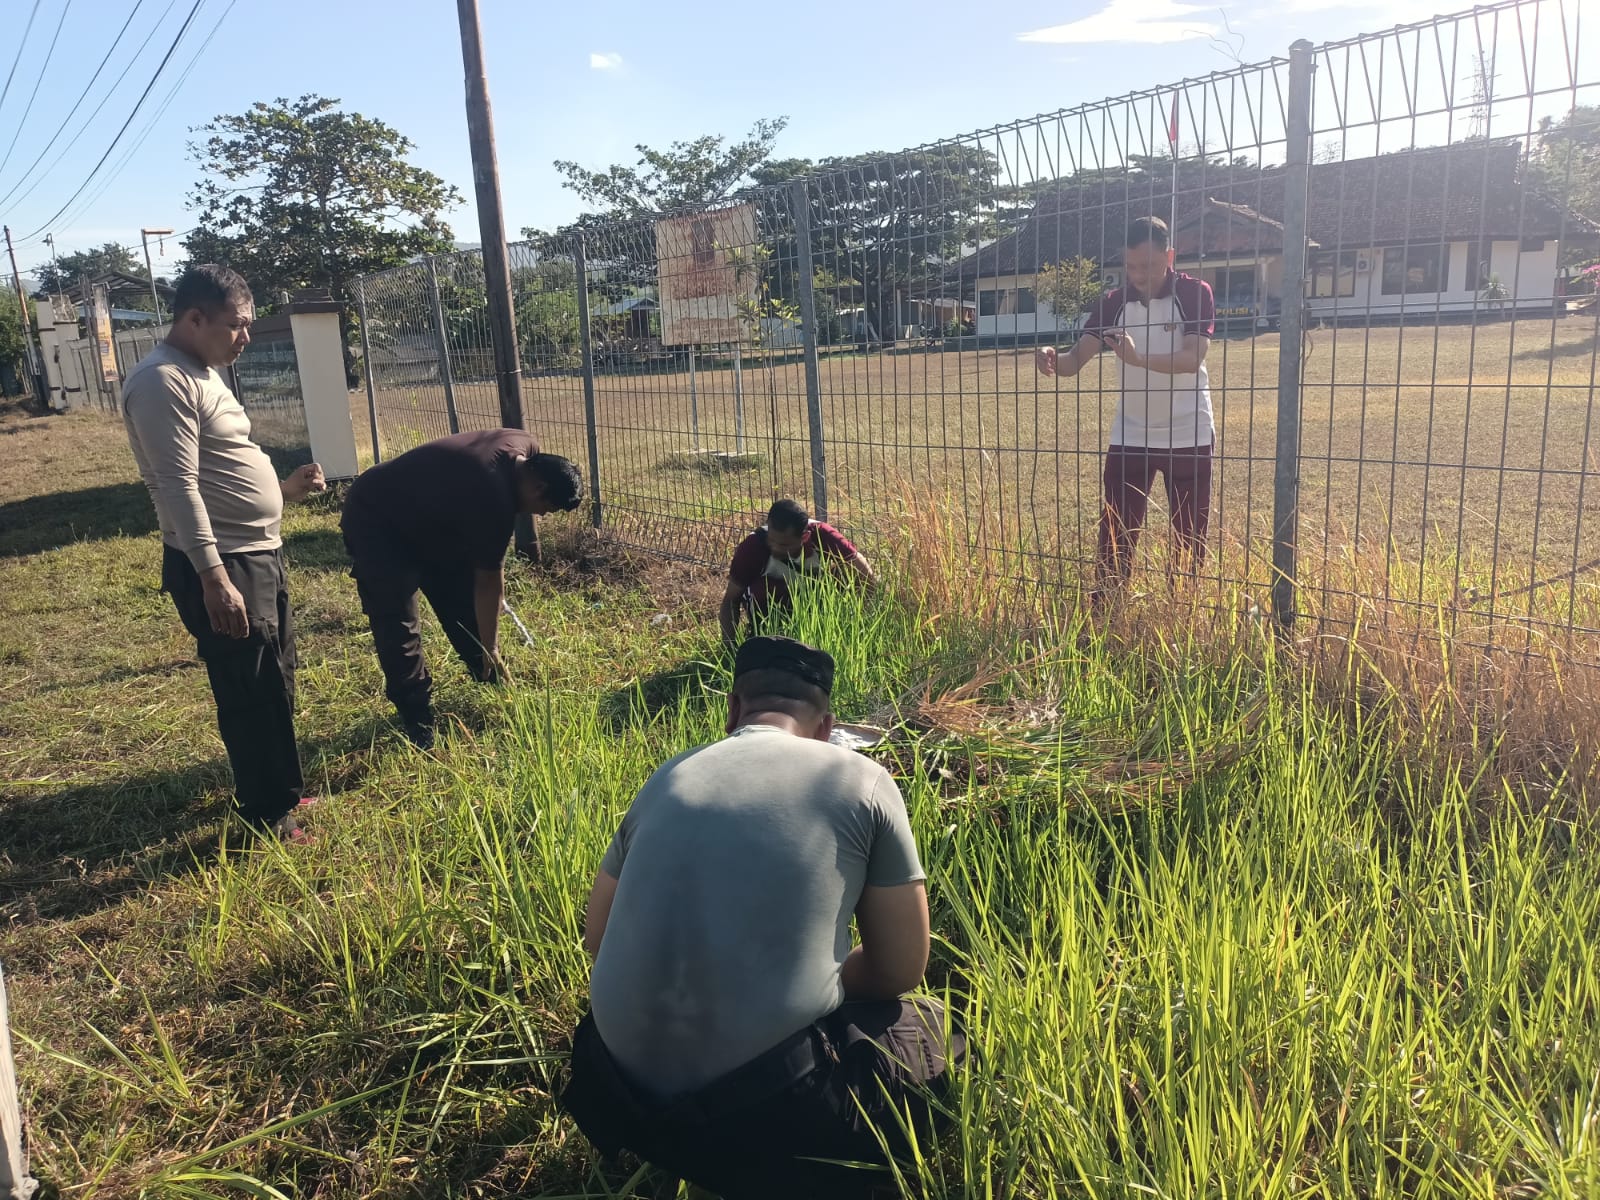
(492, 233)
(22, 303)
(144, 236)
(491, 219)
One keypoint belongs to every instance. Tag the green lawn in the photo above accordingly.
(1221, 925)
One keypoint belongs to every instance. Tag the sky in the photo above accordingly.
(578, 81)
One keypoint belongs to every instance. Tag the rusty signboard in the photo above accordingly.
(707, 271)
(100, 330)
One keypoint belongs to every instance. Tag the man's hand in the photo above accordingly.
(1044, 360)
(224, 605)
(1123, 345)
(494, 667)
(303, 482)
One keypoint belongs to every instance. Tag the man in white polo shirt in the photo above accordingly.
(1159, 325)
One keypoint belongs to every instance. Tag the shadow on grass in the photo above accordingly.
(316, 549)
(41, 523)
(75, 850)
(642, 701)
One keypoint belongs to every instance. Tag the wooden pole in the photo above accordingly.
(36, 376)
(492, 233)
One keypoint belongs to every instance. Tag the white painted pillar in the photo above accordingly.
(50, 339)
(319, 354)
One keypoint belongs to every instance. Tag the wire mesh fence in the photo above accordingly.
(1396, 237)
(265, 377)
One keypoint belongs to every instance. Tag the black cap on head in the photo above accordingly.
(786, 654)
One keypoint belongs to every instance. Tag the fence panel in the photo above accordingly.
(266, 377)
(864, 336)
(1448, 460)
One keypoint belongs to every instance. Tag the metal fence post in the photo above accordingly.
(366, 367)
(694, 403)
(591, 430)
(446, 377)
(738, 399)
(1291, 326)
(800, 204)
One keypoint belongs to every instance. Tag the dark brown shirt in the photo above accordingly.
(448, 502)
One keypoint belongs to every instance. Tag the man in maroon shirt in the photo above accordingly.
(438, 519)
(1159, 325)
(788, 546)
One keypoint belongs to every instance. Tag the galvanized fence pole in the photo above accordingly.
(591, 429)
(442, 336)
(1291, 326)
(694, 403)
(800, 203)
(738, 399)
(366, 367)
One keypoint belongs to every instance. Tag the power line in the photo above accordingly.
(82, 96)
(183, 77)
(143, 96)
(89, 121)
(6, 91)
(33, 95)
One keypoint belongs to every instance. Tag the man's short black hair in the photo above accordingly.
(563, 485)
(1149, 230)
(210, 287)
(786, 516)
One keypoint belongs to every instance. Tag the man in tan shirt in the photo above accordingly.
(220, 504)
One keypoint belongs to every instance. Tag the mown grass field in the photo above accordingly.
(1461, 453)
(1224, 920)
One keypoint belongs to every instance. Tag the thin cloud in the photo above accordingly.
(1146, 21)
(608, 61)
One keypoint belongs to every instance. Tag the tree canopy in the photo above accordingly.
(299, 194)
(64, 273)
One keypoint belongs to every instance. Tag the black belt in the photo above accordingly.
(764, 1076)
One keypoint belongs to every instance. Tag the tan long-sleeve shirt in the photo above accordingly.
(214, 489)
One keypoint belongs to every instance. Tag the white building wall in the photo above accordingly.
(1530, 277)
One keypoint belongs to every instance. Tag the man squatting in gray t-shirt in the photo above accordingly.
(734, 1034)
(220, 505)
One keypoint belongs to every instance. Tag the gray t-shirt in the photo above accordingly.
(214, 489)
(739, 867)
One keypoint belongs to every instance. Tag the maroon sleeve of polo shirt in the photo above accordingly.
(831, 542)
(1197, 304)
(749, 561)
(1105, 315)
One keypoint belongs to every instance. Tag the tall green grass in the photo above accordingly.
(1211, 937)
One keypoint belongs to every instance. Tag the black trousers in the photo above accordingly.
(826, 1093)
(388, 580)
(252, 678)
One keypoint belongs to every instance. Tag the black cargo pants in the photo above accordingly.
(826, 1093)
(252, 678)
(388, 580)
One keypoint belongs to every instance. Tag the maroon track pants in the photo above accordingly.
(1130, 473)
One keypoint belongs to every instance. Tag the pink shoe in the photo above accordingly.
(308, 801)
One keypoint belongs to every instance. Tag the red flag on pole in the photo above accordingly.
(1172, 123)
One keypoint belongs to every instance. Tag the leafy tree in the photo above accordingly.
(298, 194)
(1565, 164)
(11, 342)
(686, 173)
(63, 274)
(885, 223)
(1069, 287)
